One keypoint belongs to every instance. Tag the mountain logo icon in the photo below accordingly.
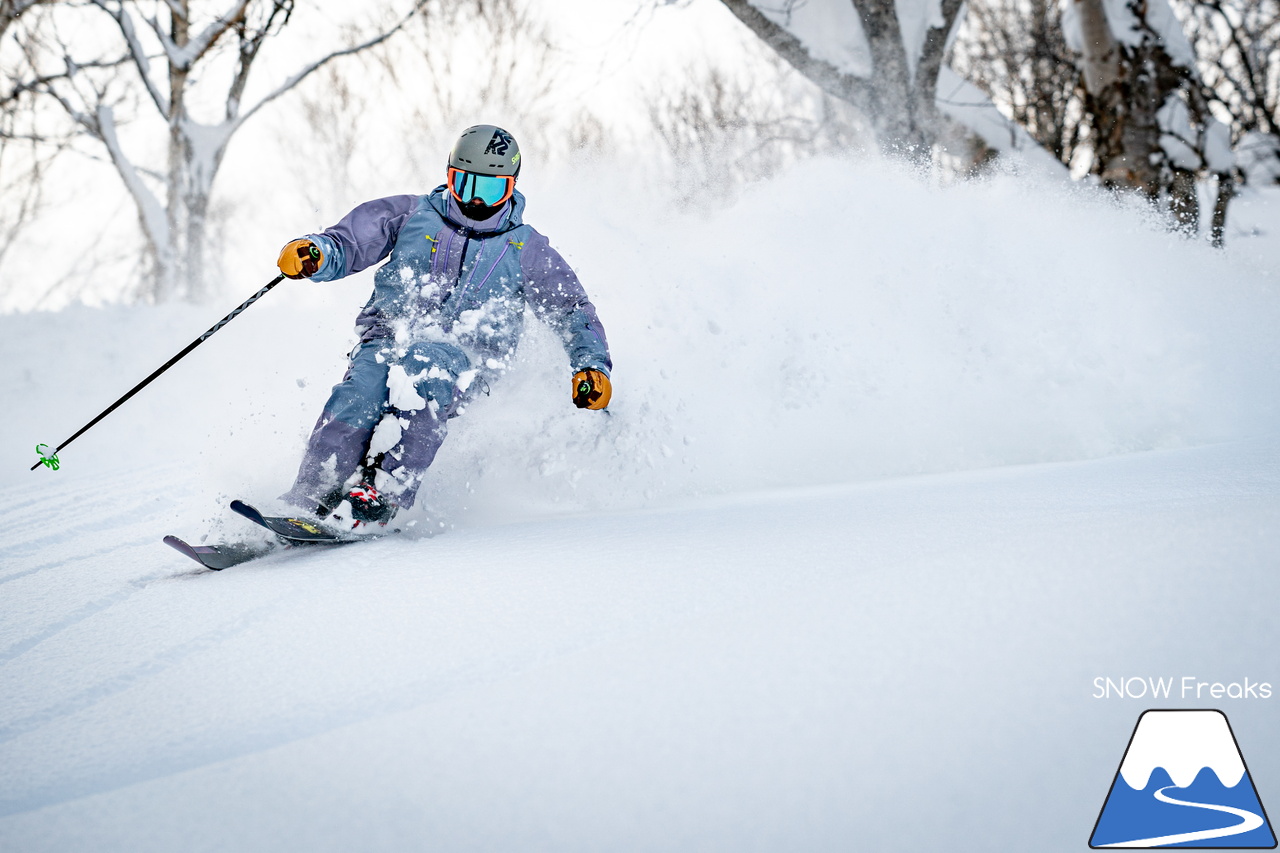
(1183, 783)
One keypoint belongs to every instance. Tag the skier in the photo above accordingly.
(443, 322)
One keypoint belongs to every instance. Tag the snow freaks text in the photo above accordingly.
(1186, 687)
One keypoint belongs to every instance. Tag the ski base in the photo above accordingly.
(219, 557)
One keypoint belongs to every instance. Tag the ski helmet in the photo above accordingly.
(486, 150)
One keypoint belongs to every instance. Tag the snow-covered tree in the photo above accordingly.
(1140, 113)
(882, 56)
(97, 60)
(1238, 45)
(1015, 52)
(12, 10)
(1152, 130)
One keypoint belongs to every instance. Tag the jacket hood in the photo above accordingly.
(509, 216)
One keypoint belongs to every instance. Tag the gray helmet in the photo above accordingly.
(486, 150)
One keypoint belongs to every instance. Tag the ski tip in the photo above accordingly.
(246, 510)
(221, 556)
(190, 551)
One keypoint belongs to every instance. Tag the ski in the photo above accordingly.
(219, 557)
(291, 532)
(299, 529)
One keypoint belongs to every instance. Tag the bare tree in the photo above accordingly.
(91, 84)
(897, 92)
(26, 155)
(485, 61)
(332, 141)
(12, 10)
(1016, 53)
(494, 61)
(725, 127)
(1238, 44)
(1151, 125)
(26, 152)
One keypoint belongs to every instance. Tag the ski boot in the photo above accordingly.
(360, 509)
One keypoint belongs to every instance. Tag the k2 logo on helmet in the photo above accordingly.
(498, 144)
(1183, 782)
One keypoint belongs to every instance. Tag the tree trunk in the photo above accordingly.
(1226, 192)
(1184, 203)
(1127, 86)
(893, 111)
(900, 106)
(175, 274)
(924, 86)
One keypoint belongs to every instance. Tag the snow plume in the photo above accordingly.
(840, 323)
(847, 322)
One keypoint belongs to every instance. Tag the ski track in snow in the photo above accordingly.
(317, 586)
(100, 691)
(54, 628)
(405, 696)
(79, 556)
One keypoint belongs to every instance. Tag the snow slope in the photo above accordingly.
(873, 508)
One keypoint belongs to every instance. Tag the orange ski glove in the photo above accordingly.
(591, 389)
(300, 259)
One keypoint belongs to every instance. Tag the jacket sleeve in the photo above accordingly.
(363, 237)
(558, 299)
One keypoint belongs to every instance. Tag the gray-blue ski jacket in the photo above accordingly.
(453, 279)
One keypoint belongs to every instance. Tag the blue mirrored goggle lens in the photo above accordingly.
(490, 189)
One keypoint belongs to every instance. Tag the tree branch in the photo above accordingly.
(833, 81)
(183, 57)
(250, 44)
(931, 55)
(150, 209)
(125, 22)
(40, 83)
(325, 60)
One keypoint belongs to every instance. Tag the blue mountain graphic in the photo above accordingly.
(1131, 814)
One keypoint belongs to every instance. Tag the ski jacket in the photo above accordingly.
(454, 279)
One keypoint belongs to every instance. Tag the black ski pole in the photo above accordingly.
(170, 363)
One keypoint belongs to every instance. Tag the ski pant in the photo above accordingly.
(408, 409)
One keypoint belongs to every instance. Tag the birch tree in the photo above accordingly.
(1152, 130)
(165, 56)
(881, 56)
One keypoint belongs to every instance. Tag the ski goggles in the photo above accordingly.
(493, 190)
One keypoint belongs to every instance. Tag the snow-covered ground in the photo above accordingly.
(882, 492)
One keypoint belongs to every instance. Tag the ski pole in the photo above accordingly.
(144, 383)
